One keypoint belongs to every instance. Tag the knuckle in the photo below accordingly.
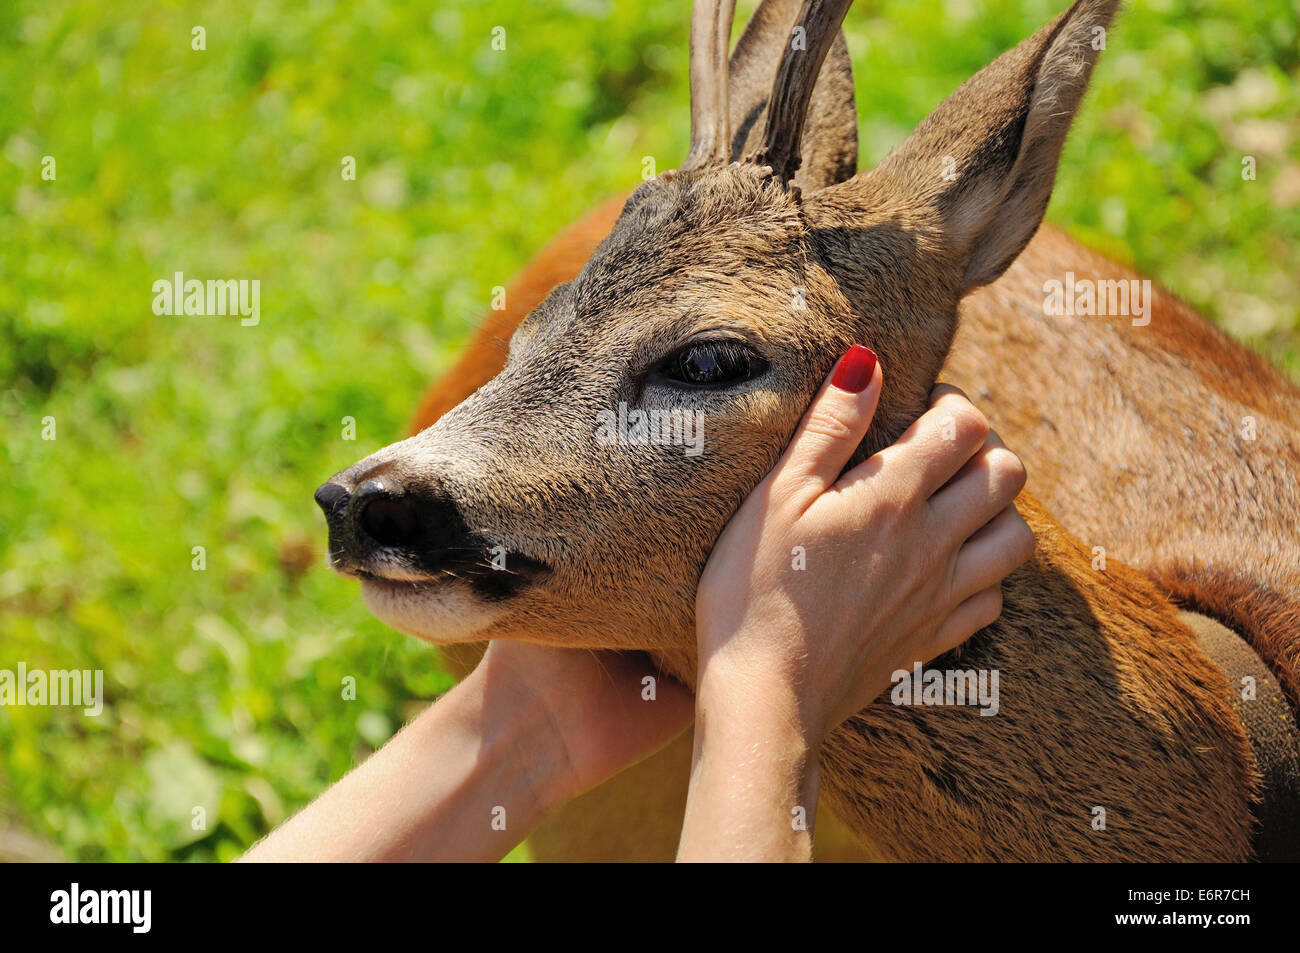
(1008, 468)
(940, 391)
(971, 423)
(799, 491)
(906, 511)
(831, 423)
(1024, 543)
(887, 515)
(960, 421)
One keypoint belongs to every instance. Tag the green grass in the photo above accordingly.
(224, 685)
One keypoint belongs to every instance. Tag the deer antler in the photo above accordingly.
(793, 88)
(710, 43)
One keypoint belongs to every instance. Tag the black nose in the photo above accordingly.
(331, 497)
(378, 509)
(387, 516)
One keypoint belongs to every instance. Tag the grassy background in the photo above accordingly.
(174, 432)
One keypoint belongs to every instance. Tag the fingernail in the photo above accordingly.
(855, 370)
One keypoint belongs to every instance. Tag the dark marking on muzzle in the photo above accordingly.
(376, 521)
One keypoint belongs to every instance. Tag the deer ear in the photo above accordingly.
(830, 135)
(986, 158)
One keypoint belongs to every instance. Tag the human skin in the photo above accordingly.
(785, 656)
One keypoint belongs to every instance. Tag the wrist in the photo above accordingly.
(753, 723)
(754, 777)
(756, 694)
(516, 732)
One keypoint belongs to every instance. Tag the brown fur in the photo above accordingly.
(921, 782)
(1109, 703)
(1118, 480)
(1133, 438)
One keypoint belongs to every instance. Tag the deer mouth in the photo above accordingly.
(490, 574)
(447, 605)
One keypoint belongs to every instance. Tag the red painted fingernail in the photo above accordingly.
(855, 370)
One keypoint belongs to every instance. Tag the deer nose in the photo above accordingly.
(381, 509)
(386, 515)
(331, 497)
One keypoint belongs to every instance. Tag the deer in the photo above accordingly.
(729, 286)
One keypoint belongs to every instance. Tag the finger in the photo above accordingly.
(984, 487)
(945, 390)
(971, 615)
(992, 553)
(933, 449)
(834, 425)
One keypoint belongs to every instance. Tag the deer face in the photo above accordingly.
(574, 498)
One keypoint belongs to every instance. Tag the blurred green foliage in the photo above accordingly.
(224, 685)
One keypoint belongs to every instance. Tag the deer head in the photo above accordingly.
(574, 499)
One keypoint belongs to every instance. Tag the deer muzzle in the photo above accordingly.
(385, 528)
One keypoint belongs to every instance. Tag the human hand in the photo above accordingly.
(595, 706)
(529, 728)
(905, 554)
(822, 585)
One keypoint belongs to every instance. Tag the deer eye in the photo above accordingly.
(712, 364)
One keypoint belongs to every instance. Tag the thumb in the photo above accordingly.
(834, 425)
